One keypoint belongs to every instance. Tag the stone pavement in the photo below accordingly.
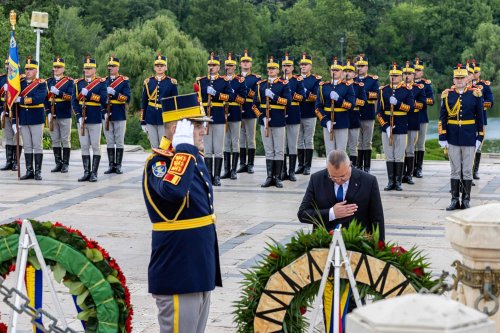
(112, 211)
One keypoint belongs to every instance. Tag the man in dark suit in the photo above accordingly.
(340, 194)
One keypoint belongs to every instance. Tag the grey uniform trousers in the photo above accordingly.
(116, 133)
(365, 134)
(9, 135)
(461, 160)
(183, 313)
(396, 152)
(247, 135)
(232, 138)
(155, 133)
(274, 144)
(214, 140)
(421, 137)
(306, 133)
(292, 137)
(32, 138)
(352, 141)
(339, 139)
(410, 143)
(92, 138)
(61, 135)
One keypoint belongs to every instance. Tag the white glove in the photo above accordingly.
(80, 121)
(443, 144)
(5, 87)
(388, 131)
(49, 116)
(18, 99)
(334, 95)
(183, 133)
(14, 128)
(478, 144)
(305, 90)
(85, 91)
(393, 100)
(269, 93)
(329, 126)
(54, 90)
(1, 114)
(144, 128)
(211, 91)
(111, 91)
(105, 116)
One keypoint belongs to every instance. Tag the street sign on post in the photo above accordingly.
(39, 20)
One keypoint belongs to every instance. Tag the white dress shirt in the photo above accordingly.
(345, 186)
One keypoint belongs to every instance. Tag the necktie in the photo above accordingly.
(340, 194)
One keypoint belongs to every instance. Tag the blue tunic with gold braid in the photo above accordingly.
(251, 84)
(31, 107)
(95, 100)
(341, 107)
(62, 101)
(429, 99)
(487, 97)
(461, 117)
(240, 93)
(298, 95)
(119, 100)
(361, 100)
(367, 112)
(418, 91)
(400, 111)
(224, 93)
(277, 105)
(154, 90)
(307, 106)
(179, 199)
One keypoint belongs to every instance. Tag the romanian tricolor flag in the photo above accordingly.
(14, 74)
(329, 316)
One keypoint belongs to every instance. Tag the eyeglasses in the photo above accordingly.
(343, 178)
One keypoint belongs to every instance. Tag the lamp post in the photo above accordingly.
(39, 21)
(342, 48)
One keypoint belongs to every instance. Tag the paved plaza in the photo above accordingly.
(112, 211)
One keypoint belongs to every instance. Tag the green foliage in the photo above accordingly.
(134, 135)
(485, 48)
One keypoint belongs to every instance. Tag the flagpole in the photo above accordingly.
(12, 18)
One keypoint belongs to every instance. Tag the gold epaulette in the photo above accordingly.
(477, 92)
(485, 82)
(298, 77)
(199, 78)
(477, 86)
(345, 82)
(324, 82)
(78, 80)
(361, 84)
(174, 81)
(41, 80)
(259, 82)
(375, 77)
(102, 79)
(317, 76)
(382, 87)
(427, 81)
(225, 77)
(163, 152)
(283, 81)
(124, 77)
(420, 86)
(444, 94)
(241, 79)
(147, 80)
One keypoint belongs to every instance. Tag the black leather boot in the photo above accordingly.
(419, 162)
(227, 166)
(111, 161)
(398, 175)
(209, 164)
(300, 158)
(15, 165)
(455, 201)
(29, 167)
(360, 159)
(217, 170)
(367, 157)
(243, 161)
(119, 159)
(283, 175)
(354, 161)
(467, 185)
(269, 169)
(58, 158)
(251, 158)
(95, 167)
(38, 166)
(475, 170)
(291, 169)
(390, 175)
(86, 169)
(405, 167)
(65, 160)
(308, 161)
(278, 167)
(409, 169)
(234, 163)
(9, 156)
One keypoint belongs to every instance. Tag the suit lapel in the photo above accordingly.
(354, 185)
(329, 187)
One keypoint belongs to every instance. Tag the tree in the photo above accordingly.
(485, 50)
(137, 48)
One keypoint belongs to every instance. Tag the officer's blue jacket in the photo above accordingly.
(400, 111)
(341, 107)
(119, 100)
(153, 92)
(95, 100)
(62, 101)
(277, 105)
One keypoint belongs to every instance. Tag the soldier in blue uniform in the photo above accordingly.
(184, 266)
(424, 118)
(305, 145)
(155, 88)
(233, 121)
(335, 99)
(292, 117)
(249, 120)
(31, 119)
(8, 132)
(118, 88)
(58, 110)
(487, 105)
(354, 112)
(367, 112)
(394, 103)
(418, 91)
(213, 91)
(270, 103)
(461, 130)
(89, 101)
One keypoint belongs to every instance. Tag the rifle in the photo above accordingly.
(333, 113)
(209, 99)
(84, 111)
(4, 114)
(108, 106)
(268, 111)
(18, 158)
(52, 106)
(391, 121)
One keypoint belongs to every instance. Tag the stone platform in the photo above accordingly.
(112, 211)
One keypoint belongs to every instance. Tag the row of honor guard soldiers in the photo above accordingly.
(96, 102)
